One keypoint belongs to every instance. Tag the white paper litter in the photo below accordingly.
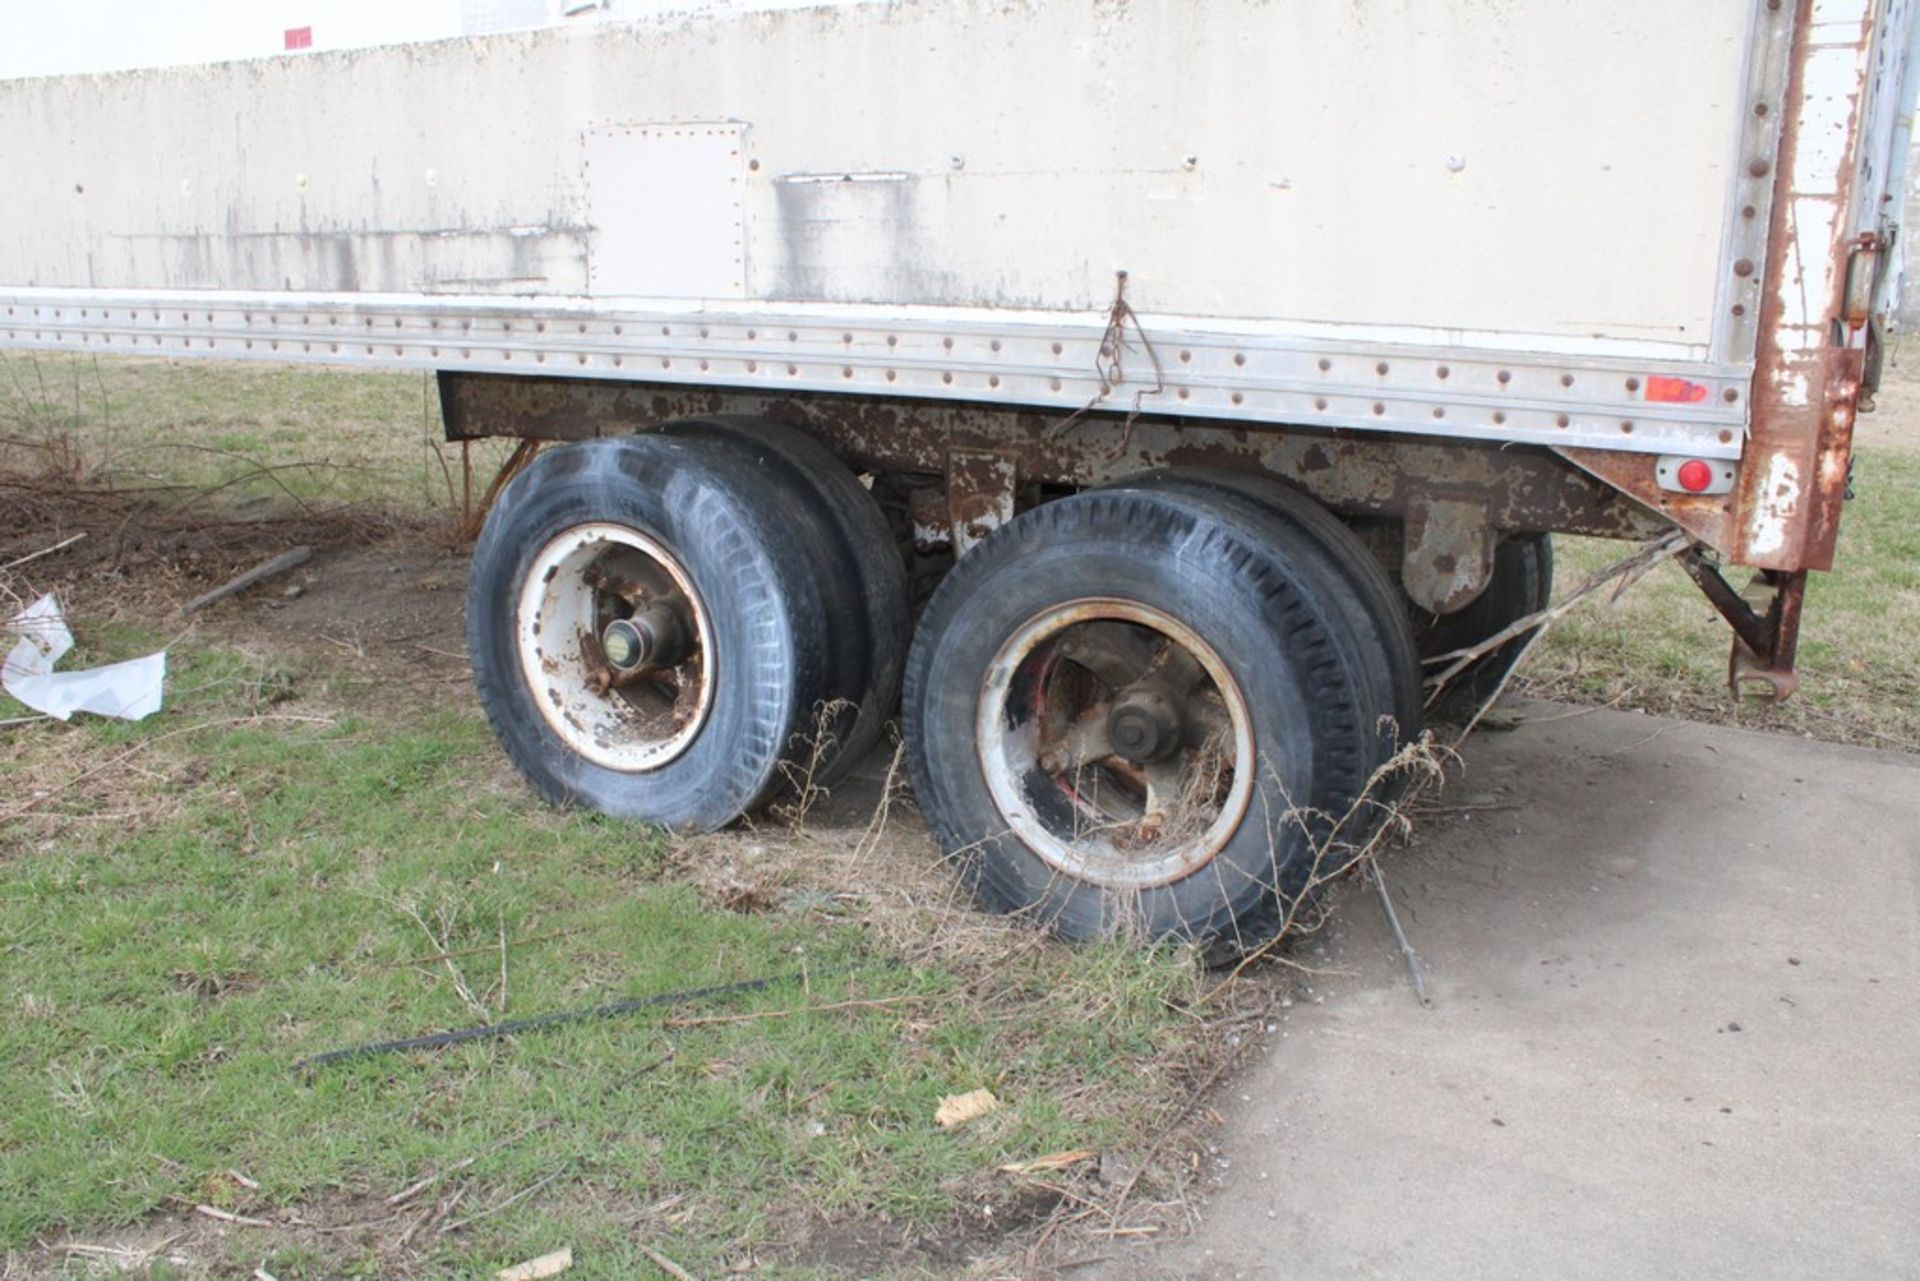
(129, 690)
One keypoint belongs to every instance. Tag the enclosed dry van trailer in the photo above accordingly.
(1235, 352)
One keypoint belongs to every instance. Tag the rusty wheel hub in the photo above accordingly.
(616, 646)
(1115, 743)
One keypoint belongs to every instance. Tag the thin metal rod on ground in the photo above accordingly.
(1400, 937)
(491, 1031)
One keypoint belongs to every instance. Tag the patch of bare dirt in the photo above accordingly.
(994, 1214)
(382, 595)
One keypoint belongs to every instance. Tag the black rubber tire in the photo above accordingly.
(1522, 584)
(869, 637)
(1352, 575)
(1252, 599)
(746, 546)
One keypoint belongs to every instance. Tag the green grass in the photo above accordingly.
(253, 432)
(180, 927)
(1662, 647)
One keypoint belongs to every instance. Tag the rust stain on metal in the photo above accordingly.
(1709, 518)
(980, 495)
(1448, 556)
(1833, 451)
(1356, 474)
(1793, 473)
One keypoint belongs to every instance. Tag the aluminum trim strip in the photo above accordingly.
(1449, 391)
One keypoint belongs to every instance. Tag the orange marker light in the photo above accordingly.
(1674, 391)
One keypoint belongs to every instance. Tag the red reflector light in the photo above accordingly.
(1674, 391)
(299, 37)
(1694, 476)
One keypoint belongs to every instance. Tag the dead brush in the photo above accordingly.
(43, 420)
(441, 935)
(817, 745)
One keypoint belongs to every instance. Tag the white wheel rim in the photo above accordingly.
(1095, 847)
(558, 619)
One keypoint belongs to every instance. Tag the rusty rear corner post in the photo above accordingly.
(1809, 353)
(1810, 347)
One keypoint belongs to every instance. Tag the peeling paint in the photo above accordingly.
(1779, 504)
(1790, 388)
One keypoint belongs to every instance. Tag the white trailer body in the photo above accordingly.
(1526, 177)
(1535, 191)
(1458, 267)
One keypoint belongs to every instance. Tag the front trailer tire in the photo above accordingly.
(740, 544)
(860, 567)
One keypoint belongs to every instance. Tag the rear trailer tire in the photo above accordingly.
(1044, 756)
(1522, 584)
(1346, 570)
(593, 533)
(868, 629)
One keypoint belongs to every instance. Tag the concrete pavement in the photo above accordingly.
(1676, 1029)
